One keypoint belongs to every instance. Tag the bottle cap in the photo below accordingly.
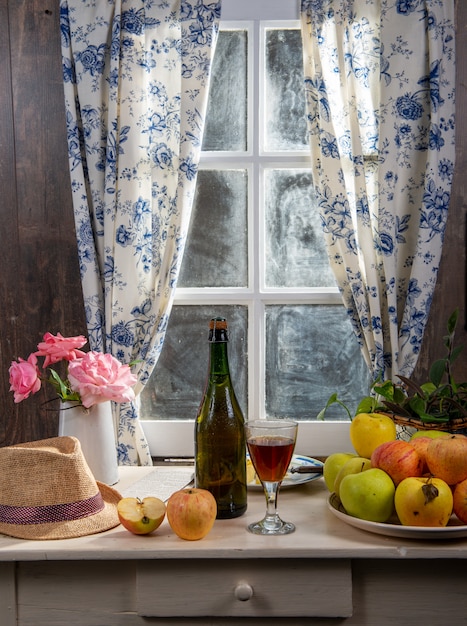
(218, 330)
(219, 323)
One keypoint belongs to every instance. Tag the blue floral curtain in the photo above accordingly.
(380, 82)
(136, 75)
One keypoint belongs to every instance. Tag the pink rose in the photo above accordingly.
(24, 377)
(98, 377)
(56, 348)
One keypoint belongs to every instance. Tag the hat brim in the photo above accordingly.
(97, 523)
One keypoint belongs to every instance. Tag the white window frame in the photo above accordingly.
(168, 438)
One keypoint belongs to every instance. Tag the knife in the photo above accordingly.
(307, 469)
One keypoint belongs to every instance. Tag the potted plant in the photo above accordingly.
(440, 403)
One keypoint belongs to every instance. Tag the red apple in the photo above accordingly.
(191, 513)
(421, 444)
(446, 458)
(460, 501)
(399, 459)
(423, 502)
(141, 517)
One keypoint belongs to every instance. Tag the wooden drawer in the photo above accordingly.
(244, 588)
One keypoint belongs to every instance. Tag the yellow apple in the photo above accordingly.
(433, 434)
(368, 495)
(355, 465)
(191, 513)
(141, 517)
(368, 430)
(332, 466)
(422, 501)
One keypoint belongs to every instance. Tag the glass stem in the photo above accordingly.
(272, 520)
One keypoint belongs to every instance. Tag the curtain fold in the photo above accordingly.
(136, 77)
(380, 79)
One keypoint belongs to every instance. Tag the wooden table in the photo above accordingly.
(325, 573)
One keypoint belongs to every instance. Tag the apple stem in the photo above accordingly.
(430, 491)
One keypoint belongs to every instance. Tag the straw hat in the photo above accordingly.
(47, 491)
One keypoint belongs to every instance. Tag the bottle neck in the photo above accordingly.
(218, 360)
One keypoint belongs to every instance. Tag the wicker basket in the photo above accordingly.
(406, 426)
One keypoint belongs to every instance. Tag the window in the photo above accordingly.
(254, 252)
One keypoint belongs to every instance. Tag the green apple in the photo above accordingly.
(354, 465)
(428, 433)
(332, 465)
(368, 495)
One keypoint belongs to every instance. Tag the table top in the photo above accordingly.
(319, 534)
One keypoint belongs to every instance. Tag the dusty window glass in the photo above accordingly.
(311, 352)
(216, 249)
(285, 107)
(226, 118)
(296, 253)
(306, 351)
(176, 386)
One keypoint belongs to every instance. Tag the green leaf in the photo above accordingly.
(386, 390)
(418, 406)
(63, 388)
(437, 371)
(452, 321)
(58, 383)
(455, 353)
(367, 405)
(332, 399)
(397, 409)
(427, 389)
(399, 395)
(432, 419)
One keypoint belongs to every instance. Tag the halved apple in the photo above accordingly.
(141, 517)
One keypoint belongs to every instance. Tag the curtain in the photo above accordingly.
(136, 76)
(380, 79)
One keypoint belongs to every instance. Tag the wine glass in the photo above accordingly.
(271, 444)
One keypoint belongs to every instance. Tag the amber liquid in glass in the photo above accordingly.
(271, 456)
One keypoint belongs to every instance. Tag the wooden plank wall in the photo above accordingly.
(39, 287)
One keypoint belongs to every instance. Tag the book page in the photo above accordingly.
(161, 482)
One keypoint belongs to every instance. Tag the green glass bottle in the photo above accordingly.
(220, 449)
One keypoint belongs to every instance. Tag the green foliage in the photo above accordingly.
(63, 388)
(438, 400)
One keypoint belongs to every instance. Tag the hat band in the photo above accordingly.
(51, 513)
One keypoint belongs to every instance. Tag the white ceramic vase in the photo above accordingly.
(94, 427)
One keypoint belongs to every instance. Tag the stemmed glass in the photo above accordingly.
(271, 444)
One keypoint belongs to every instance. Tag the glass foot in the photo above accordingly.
(265, 527)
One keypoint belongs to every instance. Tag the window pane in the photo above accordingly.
(216, 252)
(284, 91)
(226, 117)
(296, 254)
(176, 386)
(311, 352)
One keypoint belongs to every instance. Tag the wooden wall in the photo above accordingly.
(40, 288)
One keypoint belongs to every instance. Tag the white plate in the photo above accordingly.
(292, 480)
(454, 529)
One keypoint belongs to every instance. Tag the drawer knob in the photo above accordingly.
(243, 592)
